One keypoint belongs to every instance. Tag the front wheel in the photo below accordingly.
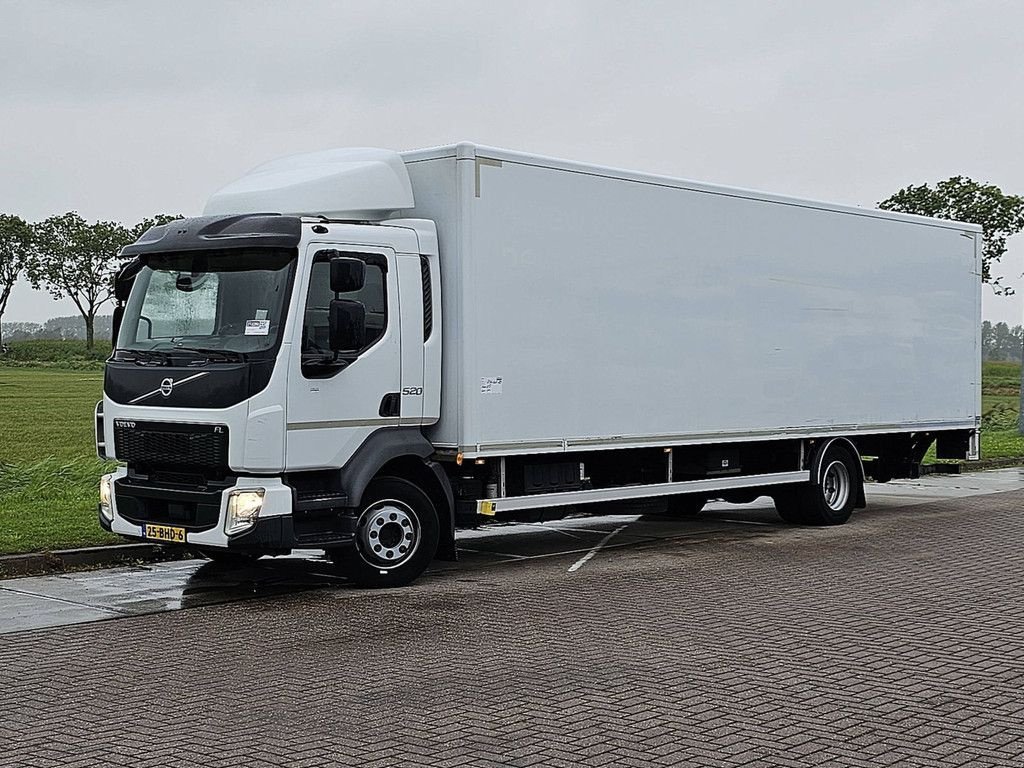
(396, 536)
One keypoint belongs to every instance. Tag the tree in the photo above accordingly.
(76, 260)
(16, 243)
(1001, 342)
(961, 199)
(161, 218)
(987, 340)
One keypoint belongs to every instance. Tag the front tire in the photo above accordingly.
(397, 532)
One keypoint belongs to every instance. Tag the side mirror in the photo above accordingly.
(124, 279)
(347, 274)
(347, 325)
(115, 324)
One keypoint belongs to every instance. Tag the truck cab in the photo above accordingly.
(267, 371)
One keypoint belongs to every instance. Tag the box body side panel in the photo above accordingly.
(604, 311)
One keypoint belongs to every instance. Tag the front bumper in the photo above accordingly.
(203, 513)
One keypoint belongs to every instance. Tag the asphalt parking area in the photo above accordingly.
(55, 600)
(895, 640)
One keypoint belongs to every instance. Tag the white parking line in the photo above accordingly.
(509, 555)
(595, 549)
(745, 522)
(64, 600)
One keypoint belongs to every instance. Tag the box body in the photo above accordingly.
(586, 307)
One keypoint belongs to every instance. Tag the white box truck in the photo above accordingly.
(359, 350)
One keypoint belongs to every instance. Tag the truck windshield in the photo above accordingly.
(228, 302)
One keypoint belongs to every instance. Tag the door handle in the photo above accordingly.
(391, 404)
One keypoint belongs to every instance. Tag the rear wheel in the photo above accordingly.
(787, 504)
(829, 501)
(396, 536)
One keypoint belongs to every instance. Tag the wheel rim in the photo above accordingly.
(388, 533)
(835, 485)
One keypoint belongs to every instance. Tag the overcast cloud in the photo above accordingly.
(124, 109)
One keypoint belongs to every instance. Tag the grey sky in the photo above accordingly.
(124, 109)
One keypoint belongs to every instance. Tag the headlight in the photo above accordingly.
(105, 493)
(243, 510)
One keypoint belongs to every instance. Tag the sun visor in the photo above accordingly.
(351, 184)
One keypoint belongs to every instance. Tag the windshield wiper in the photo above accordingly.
(214, 354)
(143, 356)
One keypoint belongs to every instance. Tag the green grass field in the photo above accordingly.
(1000, 408)
(48, 465)
(49, 470)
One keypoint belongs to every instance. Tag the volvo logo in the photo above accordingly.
(167, 386)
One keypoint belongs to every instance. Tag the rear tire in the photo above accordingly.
(787, 504)
(397, 532)
(831, 500)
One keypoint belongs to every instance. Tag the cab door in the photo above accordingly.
(410, 280)
(333, 406)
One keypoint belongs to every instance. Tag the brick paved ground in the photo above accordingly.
(895, 640)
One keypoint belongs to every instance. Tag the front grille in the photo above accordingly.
(164, 477)
(147, 443)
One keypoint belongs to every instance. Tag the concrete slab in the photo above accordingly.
(28, 610)
(39, 601)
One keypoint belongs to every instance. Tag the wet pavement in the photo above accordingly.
(72, 598)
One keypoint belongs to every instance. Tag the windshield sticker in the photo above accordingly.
(490, 385)
(257, 327)
(261, 314)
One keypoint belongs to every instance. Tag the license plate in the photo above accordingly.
(168, 533)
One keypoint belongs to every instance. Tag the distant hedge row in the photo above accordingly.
(54, 353)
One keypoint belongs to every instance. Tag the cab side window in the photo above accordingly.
(373, 295)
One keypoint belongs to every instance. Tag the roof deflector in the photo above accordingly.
(353, 184)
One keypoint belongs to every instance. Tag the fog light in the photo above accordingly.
(106, 509)
(243, 510)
